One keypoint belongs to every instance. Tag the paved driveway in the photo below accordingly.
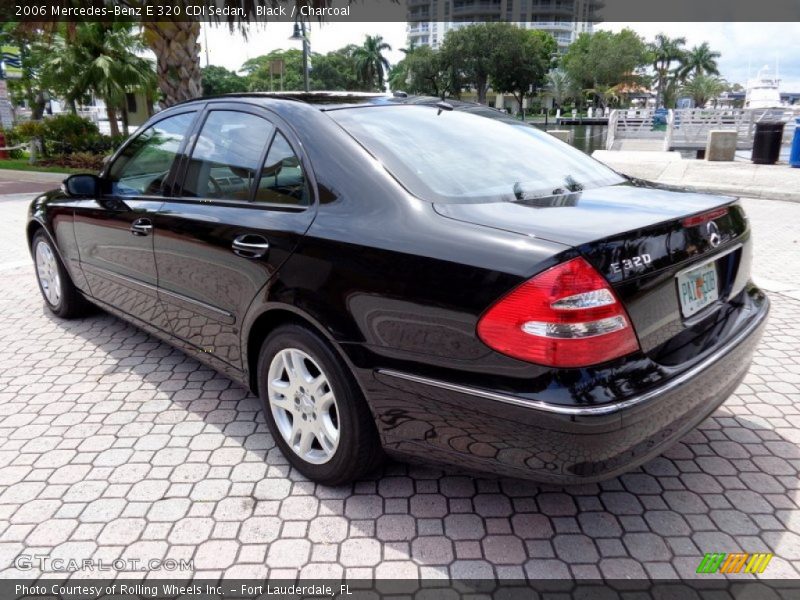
(113, 444)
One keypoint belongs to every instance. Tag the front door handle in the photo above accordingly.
(142, 227)
(250, 246)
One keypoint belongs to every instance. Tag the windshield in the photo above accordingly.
(454, 156)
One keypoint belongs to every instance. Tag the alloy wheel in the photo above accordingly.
(47, 272)
(303, 405)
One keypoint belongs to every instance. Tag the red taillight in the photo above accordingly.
(567, 316)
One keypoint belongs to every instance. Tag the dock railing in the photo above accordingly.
(687, 129)
(634, 123)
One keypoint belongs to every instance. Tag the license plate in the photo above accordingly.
(697, 288)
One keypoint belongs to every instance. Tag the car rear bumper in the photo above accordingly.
(513, 436)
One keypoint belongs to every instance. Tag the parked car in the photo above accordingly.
(399, 276)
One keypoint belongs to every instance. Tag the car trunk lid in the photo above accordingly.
(647, 243)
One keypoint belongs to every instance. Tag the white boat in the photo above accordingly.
(763, 91)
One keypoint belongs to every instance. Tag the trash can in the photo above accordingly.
(767, 142)
(794, 155)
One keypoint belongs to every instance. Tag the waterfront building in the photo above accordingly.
(429, 20)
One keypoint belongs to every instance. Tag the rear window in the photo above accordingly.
(453, 156)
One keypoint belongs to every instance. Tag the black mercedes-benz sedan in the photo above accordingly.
(411, 278)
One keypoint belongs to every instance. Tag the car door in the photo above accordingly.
(114, 232)
(245, 200)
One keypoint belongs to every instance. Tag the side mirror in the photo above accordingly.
(81, 186)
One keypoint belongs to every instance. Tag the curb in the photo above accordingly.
(32, 176)
(741, 192)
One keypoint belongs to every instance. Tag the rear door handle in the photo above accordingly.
(250, 246)
(142, 227)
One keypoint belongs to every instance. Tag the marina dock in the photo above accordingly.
(687, 129)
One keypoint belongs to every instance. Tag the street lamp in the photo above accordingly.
(299, 34)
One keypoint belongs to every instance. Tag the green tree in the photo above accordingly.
(466, 51)
(664, 51)
(703, 88)
(603, 60)
(60, 68)
(371, 65)
(335, 70)
(258, 75)
(219, 80)
(520, 60)
(423, 71)
(102, 58)
(29, 88)
(700, 60)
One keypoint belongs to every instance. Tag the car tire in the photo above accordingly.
(314, 408)
(59, 293)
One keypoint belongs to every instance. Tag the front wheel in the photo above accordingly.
(314, 409)
(59, 293)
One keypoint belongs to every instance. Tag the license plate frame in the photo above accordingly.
(698, 288)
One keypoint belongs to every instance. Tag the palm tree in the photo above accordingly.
(59, 72)
(700, 60)
(101, 58)
(177, 49)
(664, 51)
(606, 95)
(400, 74)
(370, 62)
(702, 88)
(559, 86)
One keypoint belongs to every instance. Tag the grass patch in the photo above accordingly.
(21, 164)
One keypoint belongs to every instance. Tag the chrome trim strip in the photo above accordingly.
(592, 410)
(157, 290)
(197, 303)
(102, 272)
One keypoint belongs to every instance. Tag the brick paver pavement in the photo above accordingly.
(113, 444)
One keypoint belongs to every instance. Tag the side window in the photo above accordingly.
(144, 164)
(282, 178)
(225, 159)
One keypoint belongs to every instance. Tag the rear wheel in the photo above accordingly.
(314, 409)
(59, 293)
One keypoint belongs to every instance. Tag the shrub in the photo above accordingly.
(64, 135)
(22, 133)
(69, 133)
(84, 161)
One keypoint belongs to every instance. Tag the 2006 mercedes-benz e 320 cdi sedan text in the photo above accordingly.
(404, 275)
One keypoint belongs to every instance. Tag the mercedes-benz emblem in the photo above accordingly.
(714, 238)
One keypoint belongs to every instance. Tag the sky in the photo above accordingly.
(745, 47)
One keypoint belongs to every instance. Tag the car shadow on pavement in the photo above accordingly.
(194, 450)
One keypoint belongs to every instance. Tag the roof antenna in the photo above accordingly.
(443, 106)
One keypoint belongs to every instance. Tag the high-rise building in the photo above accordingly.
(430, 20)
